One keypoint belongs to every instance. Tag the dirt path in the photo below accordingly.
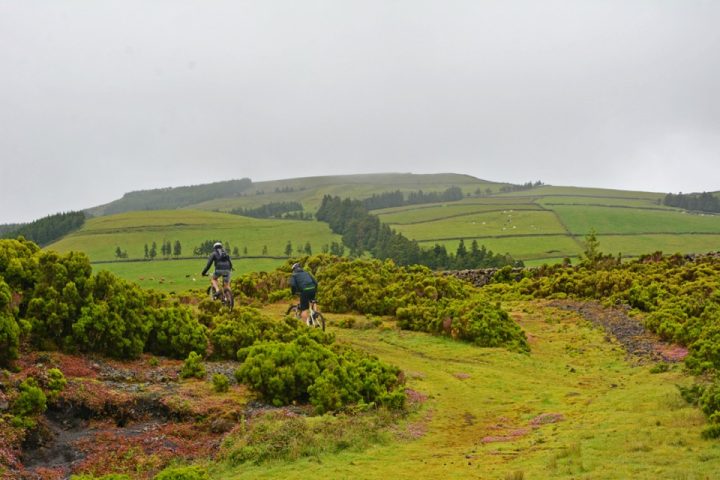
(640, 344)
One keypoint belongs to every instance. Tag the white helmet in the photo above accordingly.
(217, 245)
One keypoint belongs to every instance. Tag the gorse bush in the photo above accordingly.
(245, 326)
(193, 367)
(328, 378)
(414, 294)
(9, 329)
(176, 332)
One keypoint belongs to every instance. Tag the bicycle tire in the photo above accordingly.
(319, 318)
(293, 310)
(228, 299)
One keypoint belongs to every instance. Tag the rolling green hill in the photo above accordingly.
(537, 225)
(261, 243)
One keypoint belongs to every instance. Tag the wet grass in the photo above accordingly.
(573, 408)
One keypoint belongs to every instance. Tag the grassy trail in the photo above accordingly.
(574, 408)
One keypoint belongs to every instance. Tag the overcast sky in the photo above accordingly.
(98, 98)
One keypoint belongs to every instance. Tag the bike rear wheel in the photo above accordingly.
(227, 298)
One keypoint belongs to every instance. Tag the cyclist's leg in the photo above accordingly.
(304, 305)
(214, 282)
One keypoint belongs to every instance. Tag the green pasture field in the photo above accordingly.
(636, 245)
(551, 201)
(472, 201)
(522, 248)
(484, 224)
(550, 190)
(580, 220)
(180, 275)
(440, 212)
(574, 408)
(131, 231)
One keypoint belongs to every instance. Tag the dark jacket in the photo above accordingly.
(302, 281)
(221, 260)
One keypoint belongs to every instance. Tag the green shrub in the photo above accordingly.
(306, 371)
(220, 382)
(175, 333)
(183, 473)
(484, 324)
(31, 401)
(193, 367)
(276, 436)
(9, 329)
(55, 383)
(238, 329)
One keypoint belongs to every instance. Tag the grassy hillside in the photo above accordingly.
(573, 408)
(540, 225)
(546, 224)
(100, 237)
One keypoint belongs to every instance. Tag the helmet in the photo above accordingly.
(296, 266)
(217, 245)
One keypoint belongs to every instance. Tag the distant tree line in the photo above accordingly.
(398, 199)
(703, 202)
(292, 210)
(362, 232)
(171, 198)
(520, 187)
(48, 229)
(9, 227)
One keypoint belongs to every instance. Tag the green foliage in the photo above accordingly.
(117, 322)
(172, 198)
(56, 383)
(482, 323)
(244, 326)
(277, 436)
(193, 367)
(48, 229)
(31, 401)
(9, 329)
(220, 382)
(19, 265)
(183, 473)
(110, 476)
(176, 332)
(306, 371)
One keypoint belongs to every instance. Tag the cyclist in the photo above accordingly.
(223, 266)
(305, 284)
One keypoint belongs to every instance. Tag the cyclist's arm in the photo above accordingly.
(209, 264)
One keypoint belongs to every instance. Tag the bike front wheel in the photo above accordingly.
(318, 320)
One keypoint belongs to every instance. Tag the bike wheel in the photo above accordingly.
(228, 299)
(211, 293)
(319, 320)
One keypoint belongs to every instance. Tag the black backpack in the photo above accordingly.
(223, 256)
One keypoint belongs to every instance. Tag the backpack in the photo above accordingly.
(223, 256)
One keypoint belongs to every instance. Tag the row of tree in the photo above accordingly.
(362, 232)
(398, 199)
(48, 229)
(292, 210)
(702, 202)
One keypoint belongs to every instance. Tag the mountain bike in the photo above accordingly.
(315, 318)
(225, 295)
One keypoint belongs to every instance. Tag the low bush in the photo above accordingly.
(183, 473)
(328, 378)
(279, 436)
(220, 382)
(176, 332)
(9, 329)
(193, 367)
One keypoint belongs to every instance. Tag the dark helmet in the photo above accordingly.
(217, 245)
(296, 267)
